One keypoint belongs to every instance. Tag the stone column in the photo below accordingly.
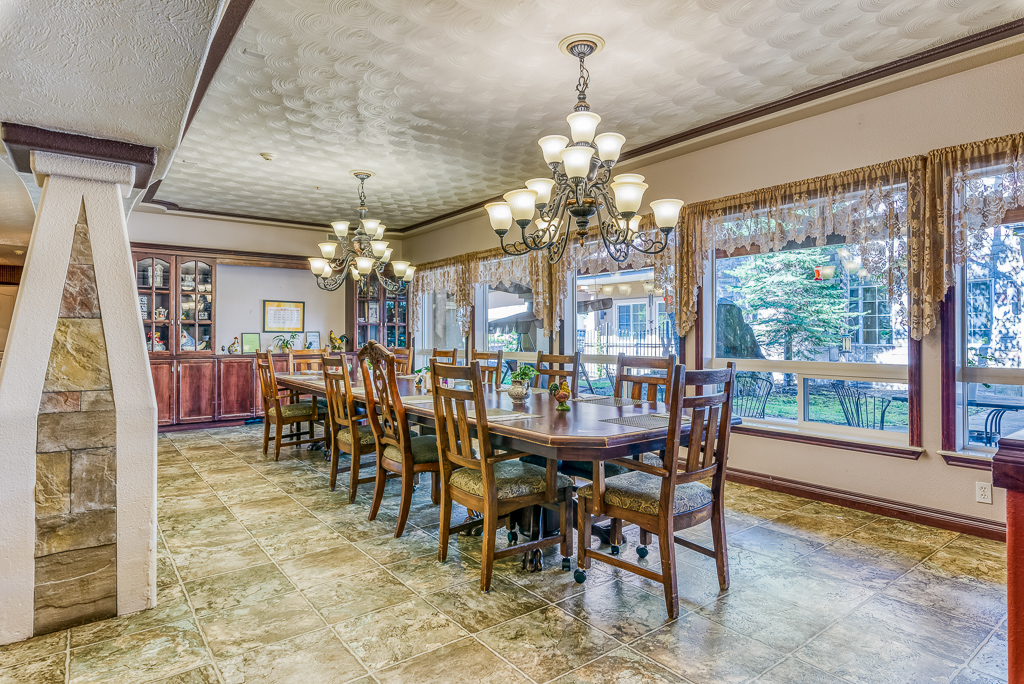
(77, 414)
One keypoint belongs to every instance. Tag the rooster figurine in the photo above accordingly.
(562, 396)
(337, 343)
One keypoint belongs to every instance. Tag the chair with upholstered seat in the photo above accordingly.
(645, 375)
(278, 414)
(491, 368)
(670, 497)
(558, 368)
(307, 361)
(403, 359)
(491, 483)
(344, 422)
(398, 451)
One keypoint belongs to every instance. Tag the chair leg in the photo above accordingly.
(446, 525)
(406, 502)
(277, 441)
(718, 537)
(616, 536)
(435, 487)
(566, 522)
(378, 489)
(353, 473)
(583, 522)
(645, 537)
(666, 546)
(334, 466)
(487, 557)
(266, 434)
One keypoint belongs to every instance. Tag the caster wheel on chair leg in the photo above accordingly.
(566, 564)
(615, 549)
(580, 576)
(513, 537)
(642, 551)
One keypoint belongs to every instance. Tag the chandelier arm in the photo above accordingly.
(516, 248)
(559, 246)
(655, 245)
(620, 235)
(618, 251)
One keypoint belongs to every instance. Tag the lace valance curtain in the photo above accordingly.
(878, 209)
(449, 276)
(970, 188)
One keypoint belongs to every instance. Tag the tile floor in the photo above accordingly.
(266, 576)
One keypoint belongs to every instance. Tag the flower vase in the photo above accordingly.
(518, 391)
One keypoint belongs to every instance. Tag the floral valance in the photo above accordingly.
(878, 210)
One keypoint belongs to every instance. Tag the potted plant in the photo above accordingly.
(286, 342)
(521, 378)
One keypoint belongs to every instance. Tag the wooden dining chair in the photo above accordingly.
(664, 499)
(305, 360)
(491, 370)
(559, 368)
(445, 356)
(404, 359)
(645, 375)
(494, 484)
(281, 414)
(398, 451)
(348, 428)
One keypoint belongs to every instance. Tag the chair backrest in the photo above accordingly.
(751, 396)
(491, 370)
(642, 372)
(704, 452)
(445, 356)
(451, 416)
(860, 409)
(304, 360)
(558, 368)
(341, 407)
(268, 382)
(404, 357)
(383, 402)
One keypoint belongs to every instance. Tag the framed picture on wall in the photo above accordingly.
(286, 317)
(313, 340)
(250, 343)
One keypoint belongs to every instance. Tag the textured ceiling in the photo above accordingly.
(445, 99)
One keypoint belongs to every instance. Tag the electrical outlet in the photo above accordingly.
(983, 492)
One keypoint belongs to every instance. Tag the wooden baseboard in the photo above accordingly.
(182, 427)
(945, 520)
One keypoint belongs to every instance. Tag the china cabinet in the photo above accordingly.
(379, 315)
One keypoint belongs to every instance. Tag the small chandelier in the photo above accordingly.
(582, 187)
(359, 254)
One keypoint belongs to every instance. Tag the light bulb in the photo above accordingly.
(399, 267)
(408, 274)
(552, 146)
(500, 215)
(609, 145)
(522, 204)
(327, 249)
(364, 265)
(629, 194)
(583, 126)
(317, 265)
(387, 255)
(340, 228)
(576, 161)
(666, 212)
(370, 226)
(543, 188)
(378, 247)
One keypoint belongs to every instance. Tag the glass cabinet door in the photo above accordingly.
(153, 282)
(196, 313)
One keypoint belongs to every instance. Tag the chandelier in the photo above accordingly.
(359, 254)
(582, 193)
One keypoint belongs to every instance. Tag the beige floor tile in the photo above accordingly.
(476, 610)
(910, 532)
(316, 571)
(826, 595)
(208, 527)
(991, 659)
(621, 610)
(313, 658)
(426, 574)
(794, 671)
(394, 634)
(969, 676)
(47, 670)
(469, 658)
(196, 562)
(249, 585)
(772, 542)
(33, 649)
(153, 654)
(387, 550)
(171, 606)
(621, 666)
(781, 624)
(705, 652)
(868, 559)
(968, 598)
(547, 643)
(201, 675)
(239, 629)
(820, 529)
(312, 536)
(357, 595)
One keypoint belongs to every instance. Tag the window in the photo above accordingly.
(816, 343)
(979, 311)
(511, 324)
(621, 312)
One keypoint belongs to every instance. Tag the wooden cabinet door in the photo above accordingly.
(163, 386)
(197, 390)
(236, 380)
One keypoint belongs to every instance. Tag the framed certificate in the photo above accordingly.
(250, 343)
(285, 317)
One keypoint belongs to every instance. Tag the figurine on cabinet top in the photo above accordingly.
(188, 343)
(234, 347)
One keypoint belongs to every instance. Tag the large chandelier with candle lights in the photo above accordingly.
(359, 252)
(582, 194)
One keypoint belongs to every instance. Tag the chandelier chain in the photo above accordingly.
(362, 192)
(581, 85)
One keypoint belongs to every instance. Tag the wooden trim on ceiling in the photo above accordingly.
(911, 453)
(230, 21)
(21, 141)
(171, 206)
(956, 47)
(946, 520)
(227, 257)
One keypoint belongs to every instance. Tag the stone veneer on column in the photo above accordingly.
(76, 502)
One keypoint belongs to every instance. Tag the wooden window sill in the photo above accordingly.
(967, 459)
(831, 442)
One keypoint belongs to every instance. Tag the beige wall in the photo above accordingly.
(963, 107)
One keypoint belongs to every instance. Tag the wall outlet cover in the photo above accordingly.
(983, 492)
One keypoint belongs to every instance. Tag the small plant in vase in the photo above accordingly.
(286, 342)
(521, 379)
